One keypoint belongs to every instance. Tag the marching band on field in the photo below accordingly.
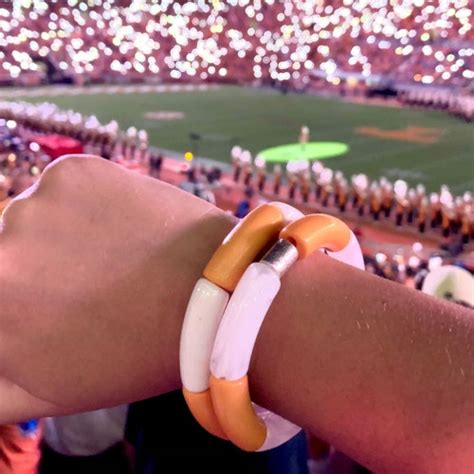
(304, 181)
(380, 199)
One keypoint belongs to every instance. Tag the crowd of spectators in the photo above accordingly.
(106, 140)
(261, 41)
(408, 270)
(20, 162)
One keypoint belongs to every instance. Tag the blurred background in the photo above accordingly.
(361, 109)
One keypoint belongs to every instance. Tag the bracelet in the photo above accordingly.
(210, 297)
(250, 427)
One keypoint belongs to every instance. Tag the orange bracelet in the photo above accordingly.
(243, 317)
(250, 238)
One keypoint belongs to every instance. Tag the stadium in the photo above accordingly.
(354, 115)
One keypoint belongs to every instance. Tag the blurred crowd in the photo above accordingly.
(262, 41)
(24, 155)
(107, 140)
(20, 163)
(409, 269)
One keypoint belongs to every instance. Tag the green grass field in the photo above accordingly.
(259, 119)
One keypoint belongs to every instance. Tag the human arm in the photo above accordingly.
(95, 272)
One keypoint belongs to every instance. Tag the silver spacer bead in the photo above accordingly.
(281, 256)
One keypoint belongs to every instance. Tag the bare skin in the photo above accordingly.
(97, 264)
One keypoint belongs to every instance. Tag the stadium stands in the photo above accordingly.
(239, 40)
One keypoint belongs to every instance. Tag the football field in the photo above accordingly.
(412, 144)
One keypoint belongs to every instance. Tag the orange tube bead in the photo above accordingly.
(240, 248)
(200, 405)
(316, 231)
(236, 415)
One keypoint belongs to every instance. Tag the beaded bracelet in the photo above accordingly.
(252, 236)
(262, 430)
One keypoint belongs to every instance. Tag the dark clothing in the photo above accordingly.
(168, 440)
(111, 461)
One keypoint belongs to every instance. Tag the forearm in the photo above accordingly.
(380, 371)
(384, 373)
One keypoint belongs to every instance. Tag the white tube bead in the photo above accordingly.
(350, 254)
(290, 213)
(279, 430)
(242, 319)
(203, 315)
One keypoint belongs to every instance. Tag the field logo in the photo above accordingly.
(408, 134)
(164, 115)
